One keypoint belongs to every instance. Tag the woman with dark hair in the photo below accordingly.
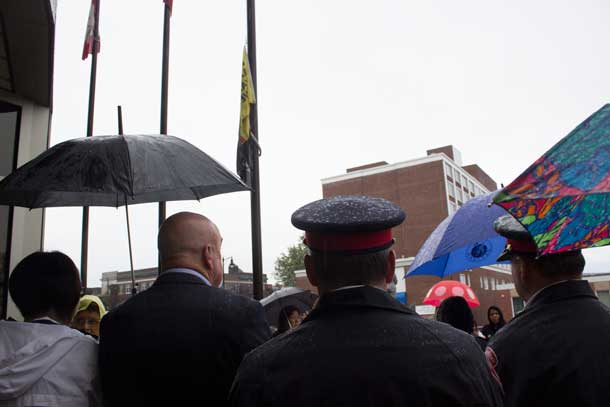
(496, 321)
(44, 362)
(456, 312)
(290, 318)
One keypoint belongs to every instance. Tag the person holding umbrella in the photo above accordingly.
(290, 318)
(182, 339)
(456, 312)
(360, 346)
(554, 353)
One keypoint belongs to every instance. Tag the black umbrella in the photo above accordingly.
(297, 297)
(117, 170)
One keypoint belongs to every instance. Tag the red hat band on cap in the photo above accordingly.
(338, 242)
(522, 246)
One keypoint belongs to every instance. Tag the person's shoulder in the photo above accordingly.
(86, 345)
(276, 347)
(445, 335)
(431, 327)
(230, 299)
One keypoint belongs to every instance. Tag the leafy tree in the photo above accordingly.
(287, 263)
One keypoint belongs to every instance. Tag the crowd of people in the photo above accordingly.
(186, 341)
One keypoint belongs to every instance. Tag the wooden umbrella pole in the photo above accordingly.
(133, 275)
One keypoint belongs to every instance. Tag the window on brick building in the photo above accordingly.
(604, 296)
(449, 170)
(481, 281)
(462, 278)
(518, 305)
(450, 189)
(452, 208)
(486, 283)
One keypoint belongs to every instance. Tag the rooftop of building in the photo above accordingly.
(448, 154)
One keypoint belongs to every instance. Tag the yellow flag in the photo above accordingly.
(247, 99)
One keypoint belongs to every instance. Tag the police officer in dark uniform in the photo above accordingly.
(555, 352)
(360, 346)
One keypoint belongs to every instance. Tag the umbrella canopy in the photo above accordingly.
(462, 241)
(297, 297)
(117, 170)
(562, 199)
(449, 288)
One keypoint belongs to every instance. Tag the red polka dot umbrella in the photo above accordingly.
(450, 288)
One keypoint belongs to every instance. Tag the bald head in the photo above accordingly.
(192, 241)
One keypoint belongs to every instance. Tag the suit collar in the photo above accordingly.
(360, 296)
(561, 291)
(173, 278)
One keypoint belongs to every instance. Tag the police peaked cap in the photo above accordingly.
(348, 224)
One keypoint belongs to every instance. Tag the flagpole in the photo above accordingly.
(85, 229)
(255, 205)
(164, 94)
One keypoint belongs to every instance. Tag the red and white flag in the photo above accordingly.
(90, 34)
(169, 4)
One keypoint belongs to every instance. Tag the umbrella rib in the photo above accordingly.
(129, 167)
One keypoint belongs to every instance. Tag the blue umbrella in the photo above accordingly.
(462, 241)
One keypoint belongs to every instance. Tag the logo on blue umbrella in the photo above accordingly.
(479, 251)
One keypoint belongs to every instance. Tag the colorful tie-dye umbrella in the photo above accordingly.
(563, 198)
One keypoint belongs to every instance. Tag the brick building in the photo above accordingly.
(429, 189)
(116, 285)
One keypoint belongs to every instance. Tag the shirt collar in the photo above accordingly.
(45, 320)
(190, 272)
(349, 287)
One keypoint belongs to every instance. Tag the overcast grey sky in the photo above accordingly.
(340, 83)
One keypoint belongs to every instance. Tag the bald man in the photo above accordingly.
(182, 339)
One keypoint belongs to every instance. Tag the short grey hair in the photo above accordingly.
(339, 270)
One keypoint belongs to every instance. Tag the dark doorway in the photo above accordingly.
(10, 120)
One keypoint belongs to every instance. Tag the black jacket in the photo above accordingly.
(361, 347)
(555, 352)
(177, 342)
(490, 330)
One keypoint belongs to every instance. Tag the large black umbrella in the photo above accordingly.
(297, 297)
(117, 170)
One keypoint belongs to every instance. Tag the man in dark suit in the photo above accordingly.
(555, 352)
(182, 339)
(360, 346)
